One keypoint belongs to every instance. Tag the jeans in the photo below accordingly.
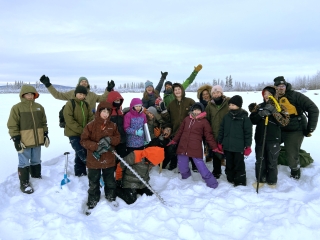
(30, 156)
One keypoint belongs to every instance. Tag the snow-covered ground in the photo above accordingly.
(291, 211)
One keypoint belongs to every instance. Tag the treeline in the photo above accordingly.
(228, 85)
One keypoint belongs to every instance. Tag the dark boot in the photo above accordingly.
(25, 186)
(295, 173)
(111, 194)
(35, 171)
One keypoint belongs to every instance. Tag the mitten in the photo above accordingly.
(155, 155)
(198, 68)
(307, 133)
(220, 147)
(156, 131)
(139, 132)
(45, 80)
(252, 106)
(270, 108)
(46, 139)
(217, 150)
(18, 144)
(110, 86)
(247, 151)
(264, 113)
(164, 74)
(171, 143)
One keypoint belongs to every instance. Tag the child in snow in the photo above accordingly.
(235, 138)
(76, 119)
(269, 157)
(154, 122)
(189, 139)
(134, 121)
(28, 129)
(141, 162)
(99, 159)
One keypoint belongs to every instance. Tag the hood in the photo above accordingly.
(182, 89)
(114, 95)
(135, 101)
(28, 89)
(83, 78)
(202, 88)
(103, 105)
(199, 105)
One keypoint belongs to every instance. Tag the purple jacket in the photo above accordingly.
(134, 120)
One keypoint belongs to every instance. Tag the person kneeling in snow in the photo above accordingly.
(189, 138)
(99, 137)
(141, 161)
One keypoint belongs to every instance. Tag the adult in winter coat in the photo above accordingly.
(151, 94)
(101, 161)
(299, 126)
(27, 124)
(76, 119)
(91, 97)
(235, 138)
(216, 109)
(168, 95)
(267, 160)
(141, 161)
(189, 138)
(116, 100)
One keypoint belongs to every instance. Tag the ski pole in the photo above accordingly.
(140, 178)
(262, 152)
(65, 179)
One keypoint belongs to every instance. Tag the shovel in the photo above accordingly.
(65, 179)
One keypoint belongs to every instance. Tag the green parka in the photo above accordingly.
(28, 119)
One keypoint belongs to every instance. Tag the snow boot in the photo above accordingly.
(295, 174)
(25, 186)
(35, 171)
(111, 194)
(272, 185)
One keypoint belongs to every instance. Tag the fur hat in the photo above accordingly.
(216, 88)
(236, 100)
(80, 89)
(197, 105)
(168, 83)
(279, 80)
(148, 84)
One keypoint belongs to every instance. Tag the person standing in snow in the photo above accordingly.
(216, 109)
(76, 119)
(150, 94)
(300, 126)
(91, 97)
(235, 138)
(100, 160)
(267, 160)
(28, 129)
(189, 138)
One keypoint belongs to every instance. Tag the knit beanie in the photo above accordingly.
(197, 105)
(80, 89)
(168, 83)
(83, 78)
(279, 80)
(154, 111)
(148, 84)
(216, 88)
(236, 100)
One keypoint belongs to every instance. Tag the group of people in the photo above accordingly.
(171, 130)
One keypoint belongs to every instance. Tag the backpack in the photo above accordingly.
(62, 122)
(305, 158)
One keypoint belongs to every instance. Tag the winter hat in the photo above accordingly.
(216, 88)
(279, 80)
(236, 100)
(81, 89)
(148, 84)
(83, 78)
(271, 90)
(168, 83)
(154, 111)
(197, 105)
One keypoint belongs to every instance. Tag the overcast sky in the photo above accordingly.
(251, 40)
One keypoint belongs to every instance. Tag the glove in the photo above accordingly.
(156, 131)
(45, 80)
(198, 68)
(307, 133)
(264, 113)
(155, 155)
(139, 132)
(220, 147)
(110, 86)
(103, 146)
(171, 143)
(270, 108)
(18, 144)
(46, 140)
(164, 74)
(252, 106)
(247, 151)
(217, 150)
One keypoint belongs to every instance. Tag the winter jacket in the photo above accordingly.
(235, 131)
(91, 97)
(190, 136)
(302, 103)
(169, 97)
(200, 91)
(215, 114)
(133, 121)
(151, 98)
(76, 118)
(92, 133)
(28, 119)
(275, 121)
(178, 110)
(117, 114)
